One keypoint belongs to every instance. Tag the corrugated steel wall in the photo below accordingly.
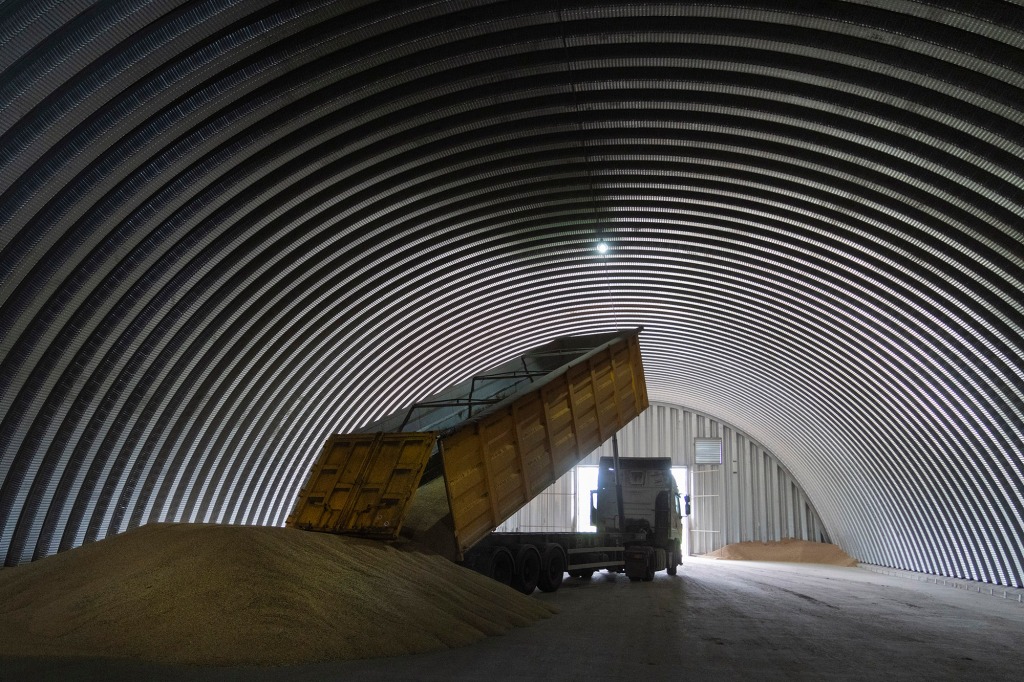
(750, 496)
(229, 229)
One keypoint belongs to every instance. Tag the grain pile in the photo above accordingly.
(230, 595)
(789, 549)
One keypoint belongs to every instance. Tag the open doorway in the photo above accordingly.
(679, 473)
(586, 480)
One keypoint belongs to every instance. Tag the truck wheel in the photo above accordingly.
(527, 569)
(552, 568)
(498, 565)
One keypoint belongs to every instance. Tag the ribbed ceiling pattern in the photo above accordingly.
(231, 228)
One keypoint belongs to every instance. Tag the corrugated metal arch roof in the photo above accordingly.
(229, 228)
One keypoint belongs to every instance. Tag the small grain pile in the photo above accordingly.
(789, 549)
(231, 595)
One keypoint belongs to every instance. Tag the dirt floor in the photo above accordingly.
(231, 595)
(785, 550)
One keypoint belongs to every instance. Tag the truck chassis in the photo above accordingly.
(527, 561)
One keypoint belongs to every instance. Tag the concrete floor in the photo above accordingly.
(717, 620)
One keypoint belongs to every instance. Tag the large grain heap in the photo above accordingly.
(789, 549)
(228, 595)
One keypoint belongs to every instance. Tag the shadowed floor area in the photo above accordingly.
(729, 620)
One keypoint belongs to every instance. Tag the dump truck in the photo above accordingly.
(636, 511)
(448, 470)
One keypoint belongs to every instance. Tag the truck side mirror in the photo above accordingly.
(686, 499)
(593, 508)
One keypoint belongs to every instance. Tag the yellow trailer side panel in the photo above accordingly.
(361, 484)
(498, 463)
(494, 464)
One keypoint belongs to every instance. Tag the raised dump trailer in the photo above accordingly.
(453, 467)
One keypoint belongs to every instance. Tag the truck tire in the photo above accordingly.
(498, 564)
(552, 568)
(527, 571)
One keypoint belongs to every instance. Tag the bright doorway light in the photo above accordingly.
(586, 480)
